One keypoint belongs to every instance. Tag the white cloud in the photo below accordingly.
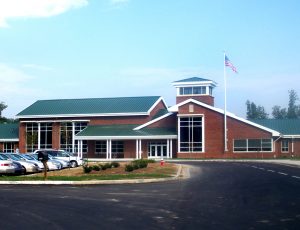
(15, 89)
(11, 9)
(117, 2)
(37, 67)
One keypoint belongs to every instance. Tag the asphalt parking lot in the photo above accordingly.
(219, 195)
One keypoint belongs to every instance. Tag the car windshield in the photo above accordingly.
(28, 157)
(17, 156)
(35, 156)
(4, 157)
(13, 157)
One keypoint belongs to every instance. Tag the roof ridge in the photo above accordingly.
(92, 98)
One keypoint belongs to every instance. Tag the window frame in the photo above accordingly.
(264, 143)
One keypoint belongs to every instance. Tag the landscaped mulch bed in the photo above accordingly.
(168, 169)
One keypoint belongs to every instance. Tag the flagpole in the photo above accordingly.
(225, 107)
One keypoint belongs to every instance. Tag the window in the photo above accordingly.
(284, 145)
(197, 90)
(66, 136)
(31, 137)
(117, 149)
(101, 148)
(79, 126)
(8, 147)
(252, 145)
(46, 135)
(190, 134)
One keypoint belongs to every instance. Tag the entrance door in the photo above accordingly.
(157, 150)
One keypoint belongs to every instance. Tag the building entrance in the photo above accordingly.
(157, 149)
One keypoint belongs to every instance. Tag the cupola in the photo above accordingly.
(196, 88)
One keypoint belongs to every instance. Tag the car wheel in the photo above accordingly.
(24, 170)
(73, 164)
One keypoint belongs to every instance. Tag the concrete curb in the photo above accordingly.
(179, 175)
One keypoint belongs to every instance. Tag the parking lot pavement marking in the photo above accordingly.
(281, 173)
(261, 168)
(270, 170)
(254, 166)
(297, 177)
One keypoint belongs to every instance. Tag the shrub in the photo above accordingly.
(150, 160)
(129, 168)
(103, 167)
(96, 167)
(140, 163)
(108, 165)
(87, 169)
(115, 165)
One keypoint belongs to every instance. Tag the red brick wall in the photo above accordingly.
(214, 134)
(169, 121)
(205, 99)
(56, 135)
(22, 137)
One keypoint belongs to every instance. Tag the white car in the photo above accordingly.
(7, 167)
(28, 166)
(62, 155)
(52, 164)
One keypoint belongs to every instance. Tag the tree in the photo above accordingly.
(255, 112)
(2, 107)
(278, 112)
(292, 109)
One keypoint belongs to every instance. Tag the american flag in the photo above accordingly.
(229, 64)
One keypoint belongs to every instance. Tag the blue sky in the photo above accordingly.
(52, 49)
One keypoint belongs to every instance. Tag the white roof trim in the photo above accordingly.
(291, 136)
(152, 121)
(125, 137)
(175, 109)
(194, 83)
(10, 140)
(156, 103)
(53, 121)
(83, 115)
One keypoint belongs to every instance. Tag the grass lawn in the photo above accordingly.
(154, 170)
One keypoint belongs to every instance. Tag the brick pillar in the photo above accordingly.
(56, 135)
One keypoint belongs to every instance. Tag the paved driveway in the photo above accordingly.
(217, 196)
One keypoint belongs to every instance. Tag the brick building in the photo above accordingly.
(145, 127)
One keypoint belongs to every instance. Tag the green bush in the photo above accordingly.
(150, 160)
(108, 165)
(142, 163)
(115, 165)
(87, 169)
(129, 168)
(96, 167)
(103, 167)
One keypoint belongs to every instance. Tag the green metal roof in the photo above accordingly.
(89, 106)
(192, 79)
(9, 131)
(124, 131)
(283, 126)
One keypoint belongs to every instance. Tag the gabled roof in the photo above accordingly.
(231, 115)
(9, 132)
(194, 81)
(120, 106)
(287, 127)
(124, 132)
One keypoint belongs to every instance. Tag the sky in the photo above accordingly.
(58, 49)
